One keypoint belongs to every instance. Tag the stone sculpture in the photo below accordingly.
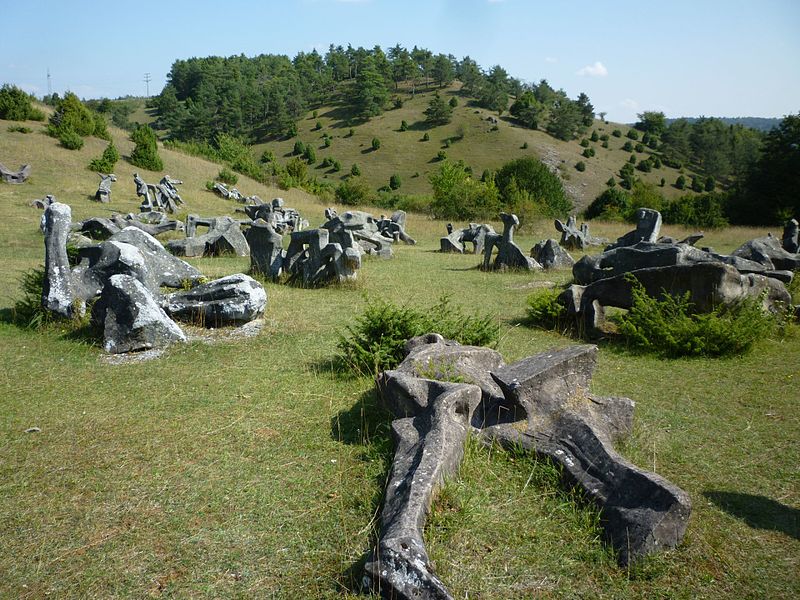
(648, 226)
(234, 194)
(15, 176)
(266, 249)
(283, 219)
(126, 273)
(757, 269)
(791, 237)
(103, 193)
(509, 255)
(224, 236)
(541, 404)
(474, 234)
(162, 197)
(314, 260)
(101, 228)
(573, 238)
(42, 203)
(551, 256)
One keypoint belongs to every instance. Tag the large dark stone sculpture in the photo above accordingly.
(57, 292)
(509, 255)
(791, 237)
(266, 249)
(648, 226)
(551, 256)
(162, 197)
(313, 260)
(769, 252)
(474, 233)
(225, 301)
(282, 219)
(541, 403)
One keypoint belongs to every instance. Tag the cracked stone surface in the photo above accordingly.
(541, 403)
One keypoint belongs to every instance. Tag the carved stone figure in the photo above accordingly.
(103, 193)
(15, 176)
(573, 238)
(509, 255)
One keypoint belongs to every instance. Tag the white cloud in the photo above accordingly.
(550, 59)
(598, 69)
(630, 104)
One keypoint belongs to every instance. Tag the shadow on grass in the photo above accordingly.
(368, 425)
(758, 512)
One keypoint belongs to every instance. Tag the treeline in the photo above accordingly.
(764, 124)
(263, 96)
(761, 172)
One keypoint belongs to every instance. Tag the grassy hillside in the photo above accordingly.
(248, 468)
(404, 153)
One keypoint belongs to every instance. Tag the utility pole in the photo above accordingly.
(147, 81)
(49, 84)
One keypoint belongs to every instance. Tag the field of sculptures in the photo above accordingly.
(244, 463)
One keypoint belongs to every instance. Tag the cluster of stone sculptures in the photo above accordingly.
(474, 234)
(329, 254)
(574, 238)
(163, 197)
(759, 268)
(541, 404)
(86, 232)
(234, 194)
(125, 274)
(283, 219)
(10, 176)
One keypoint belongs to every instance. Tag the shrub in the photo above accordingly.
(594, 137)
(611, 182)
(403, 125)
(632, 134)
(585, 142)
(318, 126)
(580, 166)
(15, 105)
(680, 182)
(100, 127)
(299, 148)
(398, 102)
(525, 146)
(376, 341)
(710, 184)
(354, 170)
(632, 159)
(28, 310)
(145, 154)
(351, 132)
(696, 185)
(628, 147)
(446, 143)
(71, 115)
(639, 148)
(616, 133)
(70, 140)
(663, 182)
(702, 210)
(666, 326)
(644, 165)
(227, 176)
(441, 155)
(19, 129)
(297, 169)
(656, 162)
(604, 144)
(453, 102)
(106, 162)
(545, 311)
(267, 156)
(544, 193)
(353, 191)
(326, 143)
(394, 182)
(376, 143)
(336, 166)
(426, 137)
(588, 152)
(604, 137)
(291, 131)
(310, 155)
(613, 203)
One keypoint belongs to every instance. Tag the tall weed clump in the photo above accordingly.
(667, 327)
(376, 340)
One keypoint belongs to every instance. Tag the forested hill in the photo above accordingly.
(759, 123)
(262, 97)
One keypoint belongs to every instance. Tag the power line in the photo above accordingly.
(147, 81)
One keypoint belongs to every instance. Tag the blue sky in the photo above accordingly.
(687, 58)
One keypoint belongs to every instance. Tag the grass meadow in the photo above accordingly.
(249, 467)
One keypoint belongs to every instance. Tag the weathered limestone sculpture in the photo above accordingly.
(283, 219)
(395, 228)
(162, 197)
(509, 255)
(361, 226)
(224, 236)
(573, 238)
(103, 193)
(42, 203)
(541, 404)
(15, 176)
(474, 233)
(768, 251)
(126, 274)
(551, 256)
(143, 191)
(234, 194)
(648, 226)
(266, 249)
(313, 260)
